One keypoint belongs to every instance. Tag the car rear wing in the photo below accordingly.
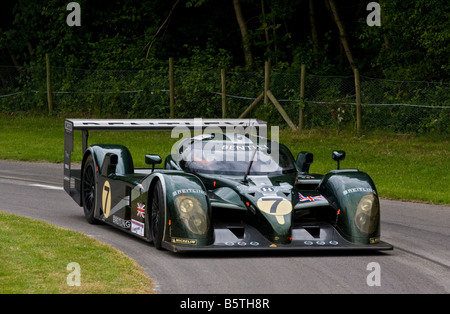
(72, 177)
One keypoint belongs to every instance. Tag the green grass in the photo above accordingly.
(404, 167)
(35, 261)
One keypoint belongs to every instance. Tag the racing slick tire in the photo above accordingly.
(157, 215)
(88, 189)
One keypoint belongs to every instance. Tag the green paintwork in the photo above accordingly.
(344, 189)
(268, 204)
(180, 183)
(233, 190)
(125, 161)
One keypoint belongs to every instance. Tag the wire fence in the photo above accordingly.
(328, 102)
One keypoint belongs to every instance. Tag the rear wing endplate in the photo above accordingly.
(72, 177)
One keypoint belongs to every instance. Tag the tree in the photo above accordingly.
(314, 34)
(413, 41)
(342, 34)
(244, 33)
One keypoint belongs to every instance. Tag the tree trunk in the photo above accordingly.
(383, 21)
(266, 31)
(244, 33)
(14, 59)
(315, 37)
(342, 35)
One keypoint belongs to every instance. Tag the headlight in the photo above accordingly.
(191, 213)
(186, 205)
(367, 214)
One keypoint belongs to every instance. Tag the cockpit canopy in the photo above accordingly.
(233, 154)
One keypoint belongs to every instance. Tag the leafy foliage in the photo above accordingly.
(413, 40)
(123, 48)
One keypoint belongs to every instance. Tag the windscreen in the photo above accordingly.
(235, 159)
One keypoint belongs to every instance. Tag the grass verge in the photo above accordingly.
(35, 261)
(403, 166)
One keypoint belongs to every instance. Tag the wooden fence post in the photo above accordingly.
(171, 89)
(358, 102)
(252, 106)
(281, 110)
(267, 95)
(302, 97)
(266, 81)
(224, 93)
(49, 85)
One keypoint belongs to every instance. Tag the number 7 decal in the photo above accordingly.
(275, 205)
(106, 199)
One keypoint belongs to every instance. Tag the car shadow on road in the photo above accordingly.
(279, 254)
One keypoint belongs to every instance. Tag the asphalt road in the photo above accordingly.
(419, 263)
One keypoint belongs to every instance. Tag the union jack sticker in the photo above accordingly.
(303, 198)
(141, 210)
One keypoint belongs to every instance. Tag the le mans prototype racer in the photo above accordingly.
(222, 191)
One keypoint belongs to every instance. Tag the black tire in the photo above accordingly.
(157, 215)
(88, 189)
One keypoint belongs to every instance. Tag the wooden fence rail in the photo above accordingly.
(267, 95)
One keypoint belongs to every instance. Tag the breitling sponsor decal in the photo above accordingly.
(353, 190)
(192, 191)
(121, 222)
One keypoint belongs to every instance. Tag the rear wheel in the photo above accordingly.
(88, 189)
(157, 215)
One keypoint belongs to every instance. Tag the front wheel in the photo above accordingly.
(88, 189)
(157, 215)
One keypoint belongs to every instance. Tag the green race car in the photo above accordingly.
(222, 190)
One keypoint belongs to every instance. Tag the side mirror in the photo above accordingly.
(304, 160)
(338, 155)
(153, 160)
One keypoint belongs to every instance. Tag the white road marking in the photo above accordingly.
(47, 187)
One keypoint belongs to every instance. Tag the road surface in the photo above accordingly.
(419, 263)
